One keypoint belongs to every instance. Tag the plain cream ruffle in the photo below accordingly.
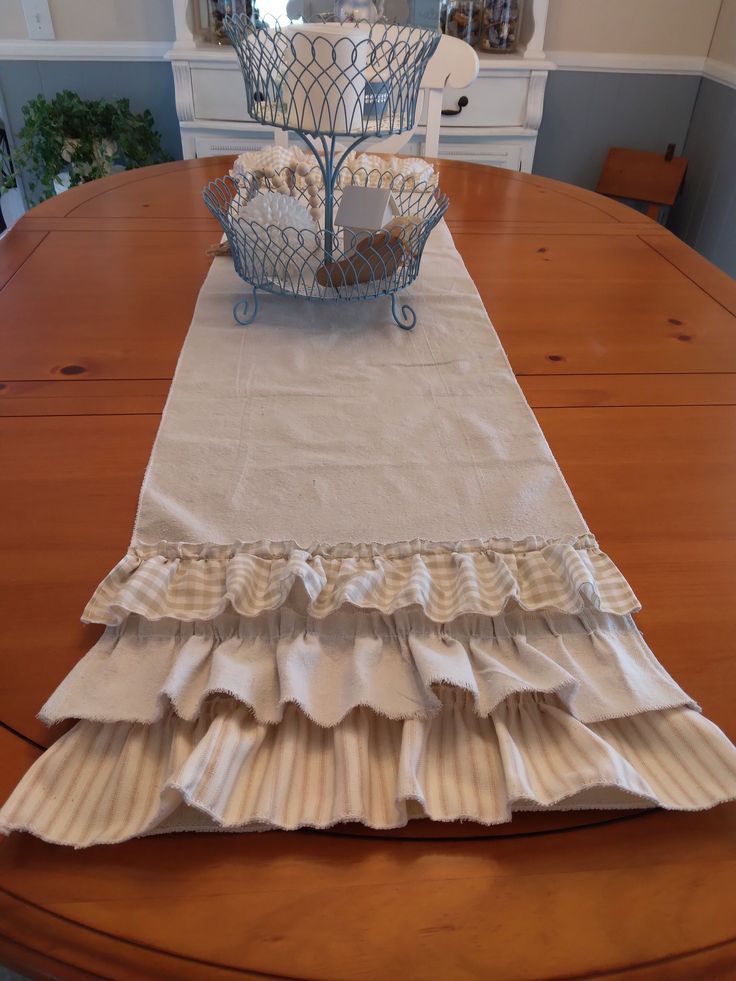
(199, 582)
(103, 783)
(597, 664)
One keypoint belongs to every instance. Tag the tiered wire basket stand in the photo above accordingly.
(335, 86)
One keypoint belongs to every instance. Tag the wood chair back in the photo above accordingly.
(638, 175)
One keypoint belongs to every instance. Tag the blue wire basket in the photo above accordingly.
(325, 81)
(360, 80)
(320, 264)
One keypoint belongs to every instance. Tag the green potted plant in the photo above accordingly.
(68, 140)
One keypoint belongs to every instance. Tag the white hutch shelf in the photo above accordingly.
(498, 126)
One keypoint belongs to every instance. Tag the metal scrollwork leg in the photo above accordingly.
(407, 318)
(242, 309)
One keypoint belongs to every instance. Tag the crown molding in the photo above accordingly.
(83, 50)
(720, 71)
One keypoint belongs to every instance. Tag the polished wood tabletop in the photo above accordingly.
(624, 341)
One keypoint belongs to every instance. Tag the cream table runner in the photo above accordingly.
(359, 589)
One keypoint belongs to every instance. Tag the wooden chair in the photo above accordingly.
(454, 65)
(652, 178)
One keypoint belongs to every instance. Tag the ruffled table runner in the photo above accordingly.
(359, 589)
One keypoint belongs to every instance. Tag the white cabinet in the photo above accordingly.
(499, 99)
(219, 93)
(215, 146)
(493, 153)
(497, 125)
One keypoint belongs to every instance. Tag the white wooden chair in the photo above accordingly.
(454, 65)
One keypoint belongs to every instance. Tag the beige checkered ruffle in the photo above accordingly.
(199, 582)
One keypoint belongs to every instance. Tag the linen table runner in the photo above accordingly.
(359, 589)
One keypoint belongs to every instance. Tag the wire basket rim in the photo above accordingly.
(363, 84)
(307, 252)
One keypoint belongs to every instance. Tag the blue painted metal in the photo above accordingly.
(408, 318)
(368, 89)
(241, 311)
(287, 85)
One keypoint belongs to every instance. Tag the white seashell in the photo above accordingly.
(281, 219)
(303, 168)
(271, 208)
(414, 169)
(315, 213)
(273, 156)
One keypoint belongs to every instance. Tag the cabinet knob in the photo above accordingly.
(462, 102)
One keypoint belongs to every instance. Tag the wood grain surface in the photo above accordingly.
(624, 341)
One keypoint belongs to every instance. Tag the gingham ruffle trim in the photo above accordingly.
(446, 580)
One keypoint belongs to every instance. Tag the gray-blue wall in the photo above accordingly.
(705, 217)
(148, 85)
(586, 113)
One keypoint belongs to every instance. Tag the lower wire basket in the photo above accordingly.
(274, 224)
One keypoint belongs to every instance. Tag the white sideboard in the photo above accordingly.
(497, 126)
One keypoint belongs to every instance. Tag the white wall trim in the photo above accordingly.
(581, 61)
(720, 71)
(645, 64)
(83, 50)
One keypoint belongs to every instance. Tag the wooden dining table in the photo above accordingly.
(624, 342)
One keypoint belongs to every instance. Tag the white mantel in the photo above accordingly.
(498, 126)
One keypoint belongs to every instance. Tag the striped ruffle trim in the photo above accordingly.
(597, 665)
(200, 582)
(107, 783)
(266, 685)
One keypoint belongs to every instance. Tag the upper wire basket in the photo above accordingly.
(315, 263)
(332, 79)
